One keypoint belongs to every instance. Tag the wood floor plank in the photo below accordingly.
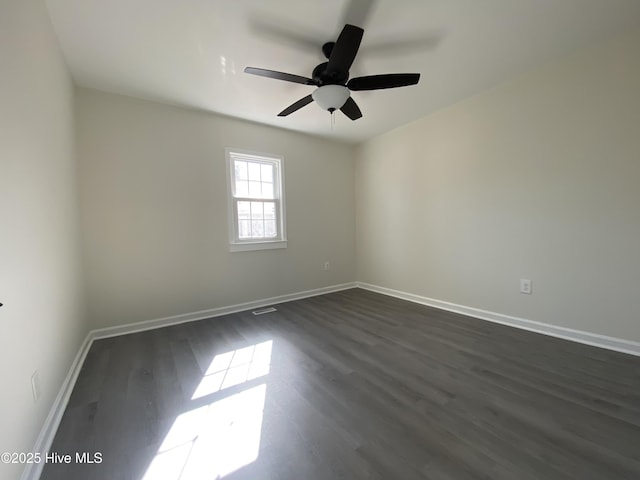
(351, 385)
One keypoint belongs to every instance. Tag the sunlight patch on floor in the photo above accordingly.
(223, 436)
(234, 368)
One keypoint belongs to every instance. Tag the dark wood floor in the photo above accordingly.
(357, 386)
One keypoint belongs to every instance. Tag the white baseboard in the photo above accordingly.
(48, 431)
(588, 338)
(214, 312)
(45, 438)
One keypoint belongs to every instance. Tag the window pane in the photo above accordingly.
(244, 228)
(257, 228)
(270, 210)
(244, 210)
(270, 228)
(242, 188)
(267, 190)
(256, 210)
(267, 172)
(241, 170)
(254, 171)
(254, 190)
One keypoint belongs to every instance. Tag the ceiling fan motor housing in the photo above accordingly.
(322, 76)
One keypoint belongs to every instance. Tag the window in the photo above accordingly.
(256, 201)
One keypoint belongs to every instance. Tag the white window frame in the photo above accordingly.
(237, 244)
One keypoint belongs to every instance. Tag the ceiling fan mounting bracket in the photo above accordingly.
(327, 48)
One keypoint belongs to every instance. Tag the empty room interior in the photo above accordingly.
(350, 239)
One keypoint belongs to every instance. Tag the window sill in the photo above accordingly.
(249, 246)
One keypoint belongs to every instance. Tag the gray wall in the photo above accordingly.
(41, 323)
(154, 211)
(538, 178)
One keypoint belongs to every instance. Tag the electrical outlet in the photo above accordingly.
(525, 286)
(35, 386)
(326, 265)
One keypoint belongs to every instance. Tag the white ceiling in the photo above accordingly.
(193, 52)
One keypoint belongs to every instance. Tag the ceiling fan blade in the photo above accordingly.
(286, 33)
(356, 12)
(287, 77)
(378, 82)
(421, 43)
(296, 106)
(351, 110)
(345, 50)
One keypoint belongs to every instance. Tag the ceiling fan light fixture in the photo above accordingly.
(331, 97)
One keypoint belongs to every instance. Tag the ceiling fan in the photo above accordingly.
(332, 77)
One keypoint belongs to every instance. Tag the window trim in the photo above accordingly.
(237, 244)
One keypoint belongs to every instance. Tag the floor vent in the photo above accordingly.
(262, 311)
